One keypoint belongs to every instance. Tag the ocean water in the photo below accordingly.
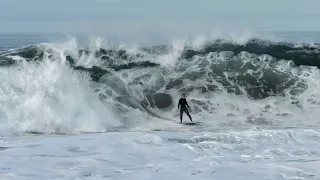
(78, 107)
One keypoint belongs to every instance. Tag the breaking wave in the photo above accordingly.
(65, 87)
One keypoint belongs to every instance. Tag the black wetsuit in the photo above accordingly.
(183, 103)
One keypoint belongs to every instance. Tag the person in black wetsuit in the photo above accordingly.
(183, 103)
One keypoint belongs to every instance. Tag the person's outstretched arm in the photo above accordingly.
(178, 104)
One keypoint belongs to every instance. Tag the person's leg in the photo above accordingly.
(187, 112)
(181, 113)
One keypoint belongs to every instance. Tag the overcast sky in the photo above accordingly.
(154, 16)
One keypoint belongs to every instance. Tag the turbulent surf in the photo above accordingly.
(51, 88)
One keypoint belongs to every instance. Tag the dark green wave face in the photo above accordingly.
(240, 69)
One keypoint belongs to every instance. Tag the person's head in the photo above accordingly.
(183, 96)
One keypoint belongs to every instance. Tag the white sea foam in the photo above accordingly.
(268, 154)
(50, 97)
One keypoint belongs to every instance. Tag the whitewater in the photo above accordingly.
(97, 110)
